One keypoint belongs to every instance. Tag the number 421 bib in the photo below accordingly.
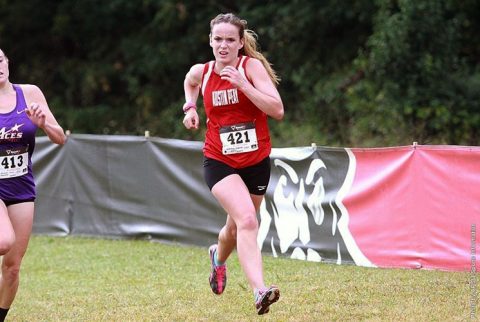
(238, 138)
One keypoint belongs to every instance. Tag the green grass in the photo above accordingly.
(83, 279)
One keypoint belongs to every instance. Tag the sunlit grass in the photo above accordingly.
(83, 279)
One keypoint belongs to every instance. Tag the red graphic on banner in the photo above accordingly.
(416, 206)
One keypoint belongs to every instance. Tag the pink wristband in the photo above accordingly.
(188, 105)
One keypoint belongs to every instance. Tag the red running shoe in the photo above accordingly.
(218, 276)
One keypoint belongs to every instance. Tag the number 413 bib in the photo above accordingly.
(13, 162)
(238, 138)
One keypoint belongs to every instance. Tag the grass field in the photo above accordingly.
(82, 279)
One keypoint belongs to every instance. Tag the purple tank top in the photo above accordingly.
(17, 142)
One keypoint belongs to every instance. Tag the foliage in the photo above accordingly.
(354, 73)
(417, 66)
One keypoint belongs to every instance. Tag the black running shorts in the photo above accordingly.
(256, 177)
(14, 202)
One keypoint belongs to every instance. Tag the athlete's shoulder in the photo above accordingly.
(30, 89)
(253, 63)
(32, 92)
(195, 73)
(253, 67)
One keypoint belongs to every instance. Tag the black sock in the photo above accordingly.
(3, 314)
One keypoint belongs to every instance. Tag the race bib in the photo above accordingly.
(13, 162)
(238, 138)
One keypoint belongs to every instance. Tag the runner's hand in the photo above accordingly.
(232, 75)
(191, 119)
(36, 115)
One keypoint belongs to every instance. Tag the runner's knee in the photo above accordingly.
(248, 223)
(11, 269)
(6, 243)
(232, 232)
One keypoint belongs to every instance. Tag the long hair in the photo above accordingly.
(250, 46)
(4, 55)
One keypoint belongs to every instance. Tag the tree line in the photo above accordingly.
(354, 73)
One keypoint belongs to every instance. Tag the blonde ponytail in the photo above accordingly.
(250, 49)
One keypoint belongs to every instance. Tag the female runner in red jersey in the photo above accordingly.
(239, 93)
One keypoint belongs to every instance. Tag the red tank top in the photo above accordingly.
(237, 131)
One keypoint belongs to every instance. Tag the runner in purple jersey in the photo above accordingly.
(23, 109)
